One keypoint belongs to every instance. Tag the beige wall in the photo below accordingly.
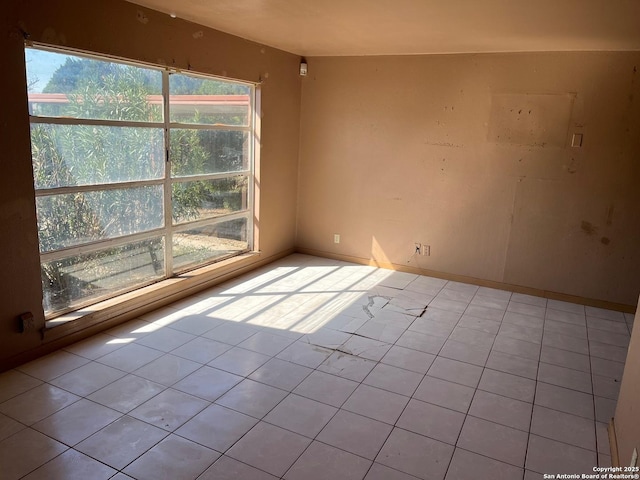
(114, 27)
(627, 416)
(470, 154)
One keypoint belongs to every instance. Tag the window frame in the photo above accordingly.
(167, 180)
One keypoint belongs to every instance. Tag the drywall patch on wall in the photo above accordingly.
(538, 120)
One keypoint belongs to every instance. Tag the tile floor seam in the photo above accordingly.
(437, 439)
(138, 368)
(560, 348)
(157, 395)
(122, 470)
(302, 453)
(394, 426)
(135, 458)
(350, 452)
(244, 463)
(28, 390)
(561, 411)
(526, 454)
(498, 423)
(264, 383)
(502, 460)
(298, 433)
(391, 391)
(466, 415)
(520, 339)
(175, 432)
(61, 374)
(391, 468)
(564, 442)
(444, 406)
(81, 453)
(501, 395)
(40, 466)
(490, 458)
(51, 414)
(595, 414)
(223, 353)
(516, 355)
(564, 366)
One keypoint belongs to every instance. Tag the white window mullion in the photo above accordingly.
(198, 126)
(93, 122)
(194, 224)
(45, 192)
(168, 221)
(254, 153)
(212, 176)
(90, 247)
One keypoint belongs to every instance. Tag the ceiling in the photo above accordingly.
(402, 27)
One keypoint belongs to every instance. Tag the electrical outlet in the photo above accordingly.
(336, 238)
(426, 250)
(418, 249)
(26, 322)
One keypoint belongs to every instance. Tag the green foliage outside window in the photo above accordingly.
(80, 155)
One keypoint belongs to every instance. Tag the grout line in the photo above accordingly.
(475, 390)
(593, 396)
(544, 321)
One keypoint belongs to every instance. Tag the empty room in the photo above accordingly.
(319, 240)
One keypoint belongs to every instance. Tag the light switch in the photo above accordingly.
(576, 140)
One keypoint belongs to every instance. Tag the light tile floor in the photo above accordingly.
(317, 369)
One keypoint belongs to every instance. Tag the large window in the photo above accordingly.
(140, 173)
